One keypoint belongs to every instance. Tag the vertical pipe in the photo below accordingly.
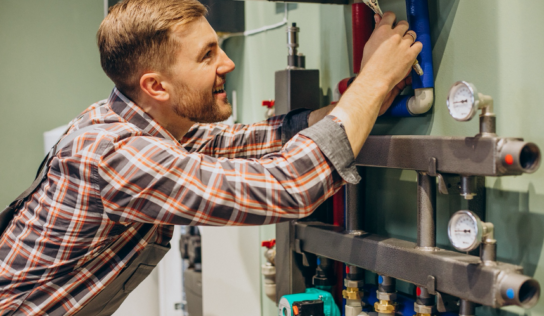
(426, 211)
(362, 27)
(354, 206)
(386, 284)
(417, 12)
(466, 308)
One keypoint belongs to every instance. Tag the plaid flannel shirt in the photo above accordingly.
(132, 176)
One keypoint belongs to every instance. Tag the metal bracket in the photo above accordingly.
(446, 303)
(431, 285)
(298, 249)
(442, 187)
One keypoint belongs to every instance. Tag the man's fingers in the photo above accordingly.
(388, 19)
(402, 27)
(377, 18)
(416, 48)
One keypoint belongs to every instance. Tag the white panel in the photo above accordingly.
(231, 271)
(170, 279)
(50, 138)
(144, 300)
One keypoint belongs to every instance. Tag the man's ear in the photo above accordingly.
(152, 85)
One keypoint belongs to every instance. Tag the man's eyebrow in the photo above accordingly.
(204, 49)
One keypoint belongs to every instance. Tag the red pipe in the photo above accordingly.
(362, 19)
(338, 220)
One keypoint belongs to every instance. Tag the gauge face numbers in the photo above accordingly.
(465, 231)
(461, 102)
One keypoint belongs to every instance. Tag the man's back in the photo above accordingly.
(62, 227)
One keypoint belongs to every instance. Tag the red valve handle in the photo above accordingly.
(268, 103)
(268, 243)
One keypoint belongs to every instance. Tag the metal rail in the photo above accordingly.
(476, 156)
(442, 271)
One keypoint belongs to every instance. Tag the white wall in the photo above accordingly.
(231, 283)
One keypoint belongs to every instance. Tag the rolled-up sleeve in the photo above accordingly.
(329, 134)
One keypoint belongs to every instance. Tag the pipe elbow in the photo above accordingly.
(422, 101)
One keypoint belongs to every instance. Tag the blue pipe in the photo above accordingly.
(417, 12)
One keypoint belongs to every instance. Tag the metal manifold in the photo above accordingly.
(472, 279)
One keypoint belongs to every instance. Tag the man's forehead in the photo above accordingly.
(198, 32)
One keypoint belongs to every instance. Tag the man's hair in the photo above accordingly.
(135, 37)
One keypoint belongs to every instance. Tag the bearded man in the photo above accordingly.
(100, 214)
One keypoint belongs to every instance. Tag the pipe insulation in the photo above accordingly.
(362, 23)
(417, 12)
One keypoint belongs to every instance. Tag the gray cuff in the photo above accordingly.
(294, 122)
(334, 144)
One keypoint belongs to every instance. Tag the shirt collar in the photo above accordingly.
(134, 114)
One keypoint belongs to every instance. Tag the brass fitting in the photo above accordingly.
(422, 314)
(351, 293)
(385, 307)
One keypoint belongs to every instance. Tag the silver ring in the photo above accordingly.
(412, 34)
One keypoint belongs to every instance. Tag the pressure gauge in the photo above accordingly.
(463, 101)
(465, 231)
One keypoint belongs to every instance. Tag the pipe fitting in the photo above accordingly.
(422, 101)
(516, 156)
(354, 283)
(383, 296)
(423, 309)
(351, 293)
(518, 289)
(385, 307)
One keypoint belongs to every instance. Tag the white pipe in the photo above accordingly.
(422, 101)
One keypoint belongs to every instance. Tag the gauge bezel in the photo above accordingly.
(479, 233)
(475, 100)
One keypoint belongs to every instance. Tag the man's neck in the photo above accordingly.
(164, 115)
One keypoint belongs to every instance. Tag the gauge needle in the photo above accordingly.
(375, 6)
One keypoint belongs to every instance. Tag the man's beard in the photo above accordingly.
(199, 107)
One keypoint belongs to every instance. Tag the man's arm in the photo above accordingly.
(245, 140)
(146, 179)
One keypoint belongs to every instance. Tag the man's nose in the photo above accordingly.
(226, 65)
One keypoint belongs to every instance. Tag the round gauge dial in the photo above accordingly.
(462, 101)
(465, 230)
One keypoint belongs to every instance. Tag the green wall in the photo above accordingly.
(49, 72)
(492, 43)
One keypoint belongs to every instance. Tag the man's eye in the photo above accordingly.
(208, 54)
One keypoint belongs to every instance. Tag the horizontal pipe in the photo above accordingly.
(518, 289)
(444, 271)
(478, 156)
(520, 156)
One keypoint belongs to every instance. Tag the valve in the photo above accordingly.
(386, 295)
(268, 269)
(270, 105)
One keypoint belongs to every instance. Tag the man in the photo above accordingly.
(132, 166)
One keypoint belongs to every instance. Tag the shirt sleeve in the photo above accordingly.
(245, 141)
(146, 179)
